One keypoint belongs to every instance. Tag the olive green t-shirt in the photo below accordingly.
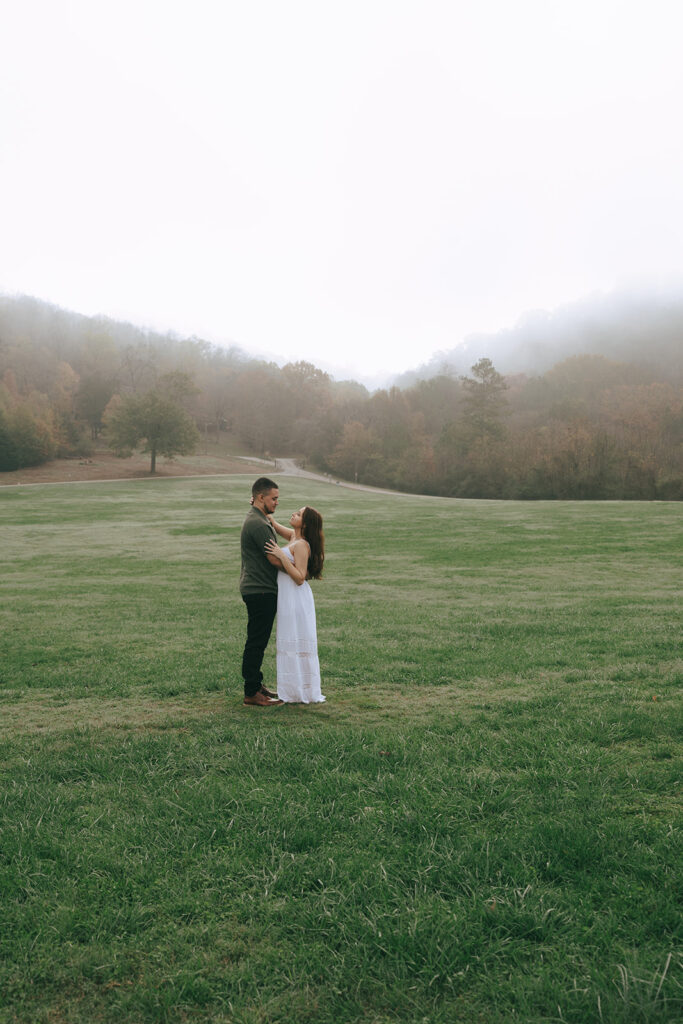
(258, 576)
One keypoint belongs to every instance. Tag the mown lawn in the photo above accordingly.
(482, 824)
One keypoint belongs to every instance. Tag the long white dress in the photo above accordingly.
(298, 668)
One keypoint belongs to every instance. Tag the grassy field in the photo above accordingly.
(482, 824)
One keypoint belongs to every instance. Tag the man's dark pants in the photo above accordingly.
(261, 609)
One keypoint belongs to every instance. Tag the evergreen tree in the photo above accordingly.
(484, 401)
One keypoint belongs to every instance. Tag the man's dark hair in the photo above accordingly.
(263, 486)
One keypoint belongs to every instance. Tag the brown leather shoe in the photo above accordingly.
(260, 700)
(268, 693)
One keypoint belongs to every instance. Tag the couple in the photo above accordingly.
(274, 579)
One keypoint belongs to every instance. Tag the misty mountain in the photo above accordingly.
(32, 325)
(641, 328)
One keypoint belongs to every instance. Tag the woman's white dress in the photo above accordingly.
(298, 668)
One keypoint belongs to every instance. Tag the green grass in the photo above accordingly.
(480, 825)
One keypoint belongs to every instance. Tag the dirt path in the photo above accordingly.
(290, 468)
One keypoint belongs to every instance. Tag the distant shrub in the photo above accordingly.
(24, 439)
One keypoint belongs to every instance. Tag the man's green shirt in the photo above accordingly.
(258, 576)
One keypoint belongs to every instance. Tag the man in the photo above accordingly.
(258, 586)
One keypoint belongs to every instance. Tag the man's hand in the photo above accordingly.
(274, 553)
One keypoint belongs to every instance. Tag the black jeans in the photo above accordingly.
(261, 609)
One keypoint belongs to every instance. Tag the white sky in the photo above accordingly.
(359, 183)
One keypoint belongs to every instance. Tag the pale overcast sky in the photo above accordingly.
(358, 184)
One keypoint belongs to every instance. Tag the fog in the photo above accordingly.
(358, 185)
(634, 326)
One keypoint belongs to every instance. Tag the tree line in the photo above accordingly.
(589, 427)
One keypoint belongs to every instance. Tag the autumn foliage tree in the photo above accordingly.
(355, 451)
(28, 435)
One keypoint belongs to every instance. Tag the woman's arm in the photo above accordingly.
(299, 569)
(284, 531)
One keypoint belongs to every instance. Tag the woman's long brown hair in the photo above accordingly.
(312, 532)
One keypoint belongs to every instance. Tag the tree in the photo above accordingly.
(303, 375)
(93, 396)
(25, 439)
(484, 401)
(9, 457)
(438, 400)
(306, 397)
(154, 422)
(355, 451)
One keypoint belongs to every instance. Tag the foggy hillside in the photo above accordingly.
(583, 403)
(645, 329)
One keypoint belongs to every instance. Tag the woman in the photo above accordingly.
(298, 668)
